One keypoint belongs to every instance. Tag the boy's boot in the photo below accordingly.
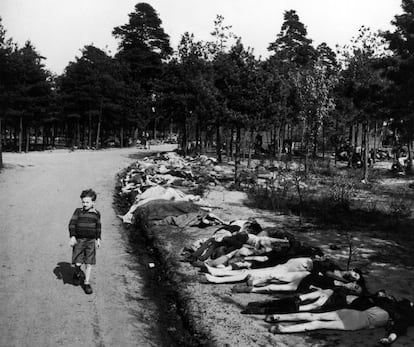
(77, 276)
(87, 288)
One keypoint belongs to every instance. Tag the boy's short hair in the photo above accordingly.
(88, 193)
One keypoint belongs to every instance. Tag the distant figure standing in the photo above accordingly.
(144, 140)
(85, 237)
(147, 144)
(258, 143)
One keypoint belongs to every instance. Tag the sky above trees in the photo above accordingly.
(60, 29)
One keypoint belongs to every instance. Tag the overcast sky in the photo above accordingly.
(60, 28)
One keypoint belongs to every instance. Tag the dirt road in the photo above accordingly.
(38, 304)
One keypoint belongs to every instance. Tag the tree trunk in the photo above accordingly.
(243, 145)
(98, 130)
(280, 142)
(356, 135)
(375, 143)
(185, 135)
(206, 141)
(410, 161)
(336, 141)
(1, 146)
(228, 132)
(98, 133)
(36, 135)
(350, 135)
(20, 134)
(27, 139)
(351, 144)
(237, 157)
(53, 129)
(323, 140)
(366, 151)
(136, 132)
(251, 141)
(231, 143)
(90, 132)
(306, 160)
(315, 139)
(218, 142)
(121, 136)
(197, 136)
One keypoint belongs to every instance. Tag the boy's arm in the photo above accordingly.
(72, 223)
(98, 227)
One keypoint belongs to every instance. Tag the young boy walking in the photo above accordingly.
(85, 237)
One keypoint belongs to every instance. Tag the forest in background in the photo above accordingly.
(215, 94)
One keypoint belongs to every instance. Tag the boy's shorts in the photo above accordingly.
(84, 252)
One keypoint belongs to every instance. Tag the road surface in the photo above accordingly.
(38, 304)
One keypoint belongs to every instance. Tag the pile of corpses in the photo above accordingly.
(240, 252)
(165, 181)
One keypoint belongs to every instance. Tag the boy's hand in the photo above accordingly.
(98, 243)
(72, 241)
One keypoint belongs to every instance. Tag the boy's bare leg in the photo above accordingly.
(88, 271)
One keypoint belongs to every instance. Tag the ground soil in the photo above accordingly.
(40, 306)
(214, 311)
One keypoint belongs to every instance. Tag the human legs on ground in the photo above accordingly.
(222, 260)
(226, 271)
(307, 326)
(275, 288)
(320, 297)
(302, 316)
(227, 279)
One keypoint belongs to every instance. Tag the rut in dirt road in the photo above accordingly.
(39, 305)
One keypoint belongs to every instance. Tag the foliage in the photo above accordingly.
(400, 208)
(216, 93)
(400, 70)
(341, 191)
(143, 44)
(25, 86)
(291, 44)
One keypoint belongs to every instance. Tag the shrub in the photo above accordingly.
(341, 191)
(400, 208)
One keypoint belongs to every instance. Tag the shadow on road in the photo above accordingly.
(64, 271)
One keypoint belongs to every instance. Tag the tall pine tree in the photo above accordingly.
(401, 72)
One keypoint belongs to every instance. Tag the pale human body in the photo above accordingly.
(280, 272)
(381, 311)
(284, 277)
(318, 299)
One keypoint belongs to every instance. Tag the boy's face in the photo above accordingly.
(87, 203)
